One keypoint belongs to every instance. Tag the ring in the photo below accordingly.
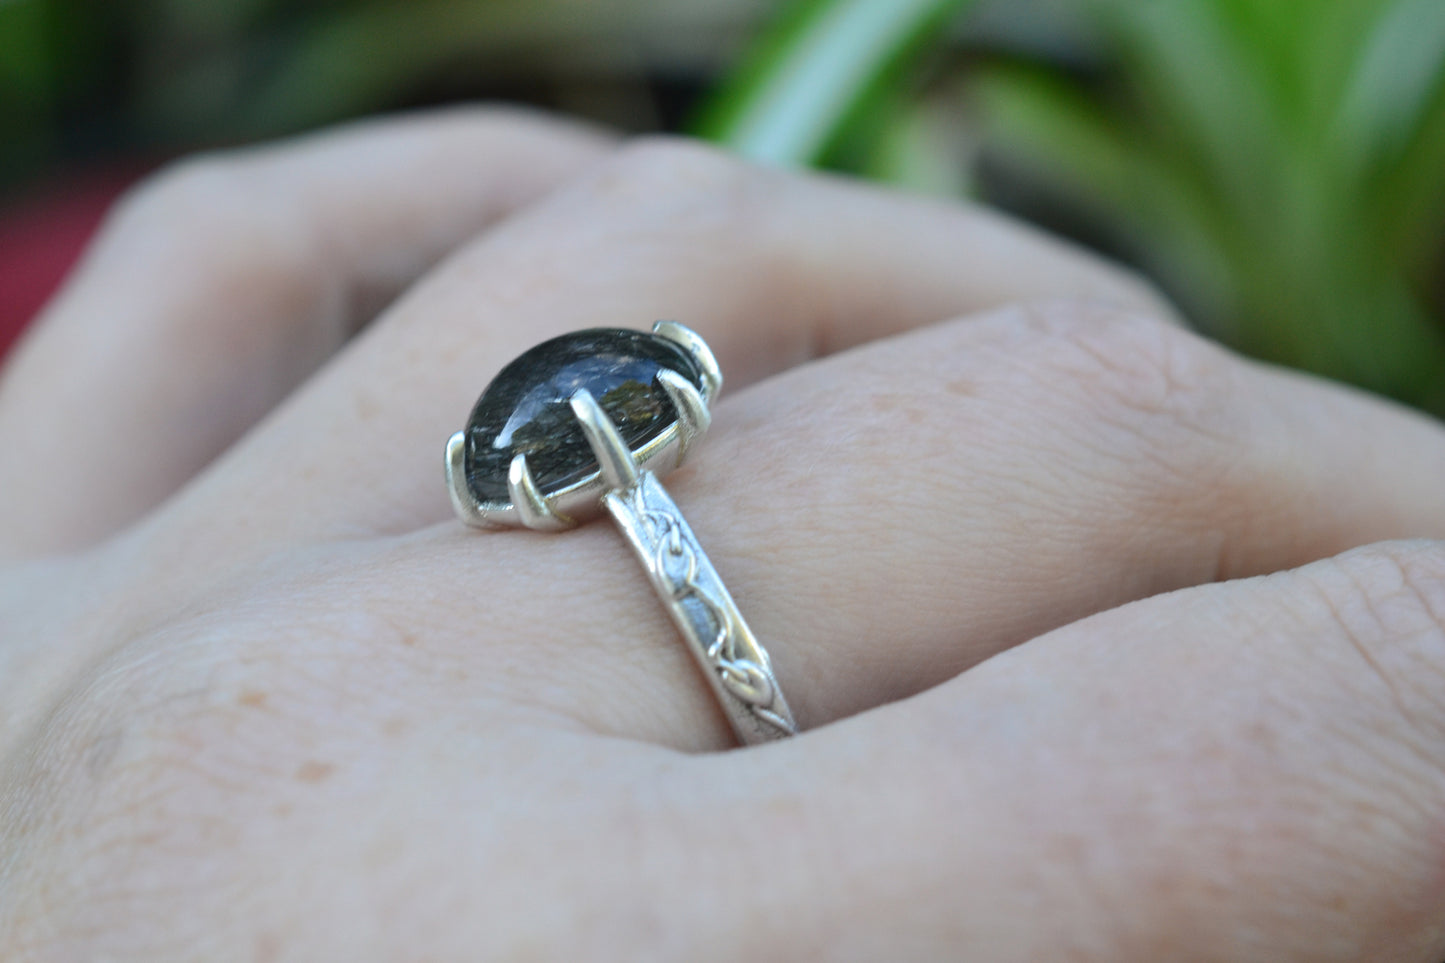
(590, 419)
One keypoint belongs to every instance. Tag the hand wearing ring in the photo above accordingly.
(994, 513)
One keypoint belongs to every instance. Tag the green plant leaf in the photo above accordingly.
(1390, 127)
(1410, 209)
(926, 145)
(1104, 169)
(1207, 99)
(809, 76)
(1209, 150)
(26, 62)
(363, 57)
(27, 85)
(1396, 80)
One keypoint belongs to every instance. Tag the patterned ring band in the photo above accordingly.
(590, 419)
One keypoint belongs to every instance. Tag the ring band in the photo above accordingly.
(639, 402)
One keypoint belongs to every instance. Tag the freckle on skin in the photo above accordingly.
(961, 387)
(899, 406)
(252, 698)
(1068, 850)
(312, 771)
(1262, 736)
(268, 948)
(366, 408)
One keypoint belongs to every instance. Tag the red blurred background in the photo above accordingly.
(42, 238)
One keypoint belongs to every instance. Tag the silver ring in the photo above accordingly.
(589, 420)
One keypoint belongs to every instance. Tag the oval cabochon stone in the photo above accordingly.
(526, 408)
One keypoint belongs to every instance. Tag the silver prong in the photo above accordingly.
(619, 469)
(693, 344)
(693, 416)
(531, 507)
(467, 507)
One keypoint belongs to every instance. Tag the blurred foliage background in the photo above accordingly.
(1278, 166)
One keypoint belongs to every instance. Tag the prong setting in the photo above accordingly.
(532, 508)
(692, 342)
(693, 416)
(656, 388)
(614, 458)
(465, 503)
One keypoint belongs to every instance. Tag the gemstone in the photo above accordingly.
(526, 410)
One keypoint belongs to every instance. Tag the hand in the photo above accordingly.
(993, 513)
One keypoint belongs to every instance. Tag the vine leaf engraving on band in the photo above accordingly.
(746, 681)
(675, 562)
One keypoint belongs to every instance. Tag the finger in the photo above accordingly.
(1250, 789)
(773, 269)
(890, 517)
(1246, 771)
(216, 289)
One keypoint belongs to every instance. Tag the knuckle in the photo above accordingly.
(95, 803)
(1387, 590)
(1128, 288)
(132, 777)
(1135, 372)
(667, 161)
(176, 193)
(506, 121)
(226, 224)
(672, 184)
(668, 207)
(215, 209)
(1387, 603)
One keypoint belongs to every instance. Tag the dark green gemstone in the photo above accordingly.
(526, 410)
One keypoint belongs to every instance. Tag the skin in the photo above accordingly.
(1109, 645)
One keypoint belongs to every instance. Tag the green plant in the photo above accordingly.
(1278, 164)
(83, 81)
(817, 73)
